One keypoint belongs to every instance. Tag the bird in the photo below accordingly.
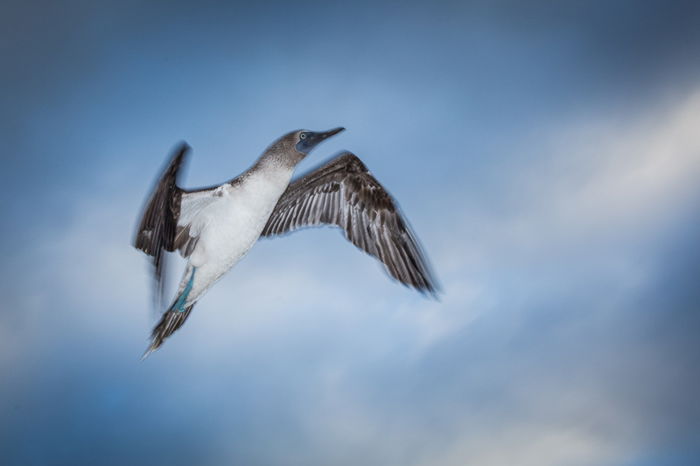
(215, 227)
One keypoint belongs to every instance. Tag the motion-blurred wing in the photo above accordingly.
(345, 194)
(166, 223)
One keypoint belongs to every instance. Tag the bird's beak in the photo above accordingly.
(331, 132)
(314, 138)
(319, 137)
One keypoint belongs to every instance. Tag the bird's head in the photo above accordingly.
(294, 146)
(306, 140)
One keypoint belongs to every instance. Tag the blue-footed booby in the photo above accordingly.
(214, 227)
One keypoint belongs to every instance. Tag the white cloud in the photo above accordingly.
(614, 175)
(528, 444)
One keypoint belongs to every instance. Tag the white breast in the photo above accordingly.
(229, 225)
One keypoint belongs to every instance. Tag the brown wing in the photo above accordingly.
(158, 226)
(345, 194)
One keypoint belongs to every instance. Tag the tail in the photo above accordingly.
(172, 320)
(175, 316)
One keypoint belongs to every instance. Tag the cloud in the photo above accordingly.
(622, 174)
(592, 184)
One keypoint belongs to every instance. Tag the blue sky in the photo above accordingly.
(546, 153)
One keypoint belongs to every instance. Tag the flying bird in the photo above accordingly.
(214, 227)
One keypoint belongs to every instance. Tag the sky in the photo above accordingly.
(546, 153)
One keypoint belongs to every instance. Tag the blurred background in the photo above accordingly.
(546, 153)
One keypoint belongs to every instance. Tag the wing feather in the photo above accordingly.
(158, 226)
(344, 193)
(167, 220)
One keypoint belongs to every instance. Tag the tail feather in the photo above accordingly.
(171, 321)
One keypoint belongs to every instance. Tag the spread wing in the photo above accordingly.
(345, 194)
(167, 220)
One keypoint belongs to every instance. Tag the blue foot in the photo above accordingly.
(179, 305)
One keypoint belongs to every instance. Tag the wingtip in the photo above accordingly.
(431, 292)
(435, 295)
(182, 146)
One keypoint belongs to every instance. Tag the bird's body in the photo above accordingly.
(215, 227)
(229, 224)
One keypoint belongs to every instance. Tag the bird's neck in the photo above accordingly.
(277, 158)
(275, 167)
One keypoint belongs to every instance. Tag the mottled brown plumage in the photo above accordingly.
(345, 194)
(158, 227)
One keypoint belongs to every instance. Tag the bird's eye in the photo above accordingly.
(302, 136)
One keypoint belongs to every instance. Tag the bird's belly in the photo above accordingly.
(222, 244)
(229, 235)
(232, 227)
